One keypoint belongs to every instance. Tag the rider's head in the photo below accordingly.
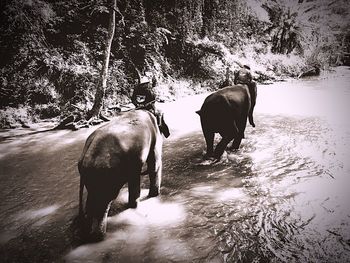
(143, 94)
(243, 76)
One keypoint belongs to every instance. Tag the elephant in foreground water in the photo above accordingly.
(225, 112)
(113, 155)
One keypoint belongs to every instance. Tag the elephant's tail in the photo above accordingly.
(235, 129)
(81, 188)
(81, 192)
(199, 112)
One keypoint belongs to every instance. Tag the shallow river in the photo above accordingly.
(283, 197)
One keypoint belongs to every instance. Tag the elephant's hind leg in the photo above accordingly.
(220, 148)
(236, 143)
(209, 139)
(154, 164)
(239, 135)
(134, 186)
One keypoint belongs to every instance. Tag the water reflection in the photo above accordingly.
(35, 214)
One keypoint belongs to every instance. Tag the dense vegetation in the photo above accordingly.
(51, 52)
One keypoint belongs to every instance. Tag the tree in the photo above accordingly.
(101, 88)
(285, 31)
(307, 25)
(210, 8)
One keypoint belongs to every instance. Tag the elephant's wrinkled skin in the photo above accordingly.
(113, 155)
(225, 112)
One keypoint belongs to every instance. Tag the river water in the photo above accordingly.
(283, 197)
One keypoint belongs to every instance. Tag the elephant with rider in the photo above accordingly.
(226, 112)
(113, 156)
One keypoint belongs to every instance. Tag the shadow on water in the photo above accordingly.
(39, 193)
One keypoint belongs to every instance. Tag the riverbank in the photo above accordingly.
(48, 124)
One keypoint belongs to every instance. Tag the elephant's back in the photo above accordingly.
(138, 123)
(234, 94)
(223, 107)
(225, 100)
(129, 136)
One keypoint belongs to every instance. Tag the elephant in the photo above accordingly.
(114, 155)
(225, 112)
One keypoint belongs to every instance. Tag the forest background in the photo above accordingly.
(52, 51)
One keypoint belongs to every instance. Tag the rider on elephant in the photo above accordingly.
(227, 82)
(144, 97)
(244, 76)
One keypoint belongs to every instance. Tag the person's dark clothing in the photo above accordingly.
(144, 97)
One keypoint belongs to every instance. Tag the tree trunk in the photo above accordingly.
(100, 90)
(208, 16)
